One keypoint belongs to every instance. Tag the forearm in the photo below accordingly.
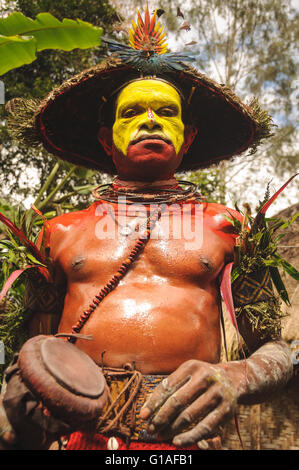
(263, 374)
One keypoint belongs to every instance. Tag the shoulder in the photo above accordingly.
(222, 212)
(68, 223)
(75, 218)
(221, 218)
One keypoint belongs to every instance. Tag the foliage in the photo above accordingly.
(256, 262)
(22, 227)
(22, 37)
(257, 247)
(13, 316)
(208, 182)
(34, 81)
(265, 317)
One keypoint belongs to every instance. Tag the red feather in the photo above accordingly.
(140, 22)
(146, 21)
(153, 22)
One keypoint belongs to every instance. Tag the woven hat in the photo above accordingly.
(66, 121)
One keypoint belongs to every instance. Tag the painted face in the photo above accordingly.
(148, 110)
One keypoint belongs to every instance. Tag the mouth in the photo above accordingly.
(150, 137)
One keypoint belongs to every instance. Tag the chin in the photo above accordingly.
(148, 160)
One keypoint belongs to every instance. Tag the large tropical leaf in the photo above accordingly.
(22, 37)
(16, 51)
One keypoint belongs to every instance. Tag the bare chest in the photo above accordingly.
(181, 246)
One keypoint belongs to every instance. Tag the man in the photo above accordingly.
(141, 284)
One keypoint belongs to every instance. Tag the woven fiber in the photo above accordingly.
(128, 391)
(273, 425)
(252, 288)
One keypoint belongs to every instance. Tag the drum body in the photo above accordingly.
(64, 379)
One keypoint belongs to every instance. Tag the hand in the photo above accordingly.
(24, 422)
(198, 396)
(7, 435)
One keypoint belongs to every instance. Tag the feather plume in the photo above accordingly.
(148, 47)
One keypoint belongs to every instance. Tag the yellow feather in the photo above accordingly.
(157, 27)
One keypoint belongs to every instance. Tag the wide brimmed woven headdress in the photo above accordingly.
(67, 121)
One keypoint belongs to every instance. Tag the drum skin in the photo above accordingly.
(67, 381)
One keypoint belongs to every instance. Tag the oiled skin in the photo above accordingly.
(165, 310)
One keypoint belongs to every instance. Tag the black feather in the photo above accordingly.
(148, 63)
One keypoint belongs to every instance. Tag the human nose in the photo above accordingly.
(150, 121)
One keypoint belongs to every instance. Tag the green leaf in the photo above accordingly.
(288, 223)
(272, 262)
(7, 244)
(21, 37)
(16, 51)
(235, 273)
(233, 220)
(277, 281)
(85, 189)
(291, 270)
(33, 259)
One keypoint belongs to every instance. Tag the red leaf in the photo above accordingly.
(227, 296)
(272, 199)
(12, 278)
(23, 239)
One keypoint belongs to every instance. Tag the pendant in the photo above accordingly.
(125, 230)
(135, 226)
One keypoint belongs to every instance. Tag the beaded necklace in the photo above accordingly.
(109, 193)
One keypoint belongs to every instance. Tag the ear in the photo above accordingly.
(105, 139)
(190, 134)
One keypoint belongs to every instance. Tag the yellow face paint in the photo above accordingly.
(133, 119)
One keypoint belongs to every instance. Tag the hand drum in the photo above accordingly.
(65, 379)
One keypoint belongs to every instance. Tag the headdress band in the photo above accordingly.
(150, 77)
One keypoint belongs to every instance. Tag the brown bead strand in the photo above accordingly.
(112, 284)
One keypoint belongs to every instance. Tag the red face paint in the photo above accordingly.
(150, 115)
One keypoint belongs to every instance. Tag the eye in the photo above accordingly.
(131, 112)
(168, 111)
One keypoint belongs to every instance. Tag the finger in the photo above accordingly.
(169, 386)
(203, 445)
(207, 427)
(164, 390)
(197, 410)
(7, 434)
(178, 401)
